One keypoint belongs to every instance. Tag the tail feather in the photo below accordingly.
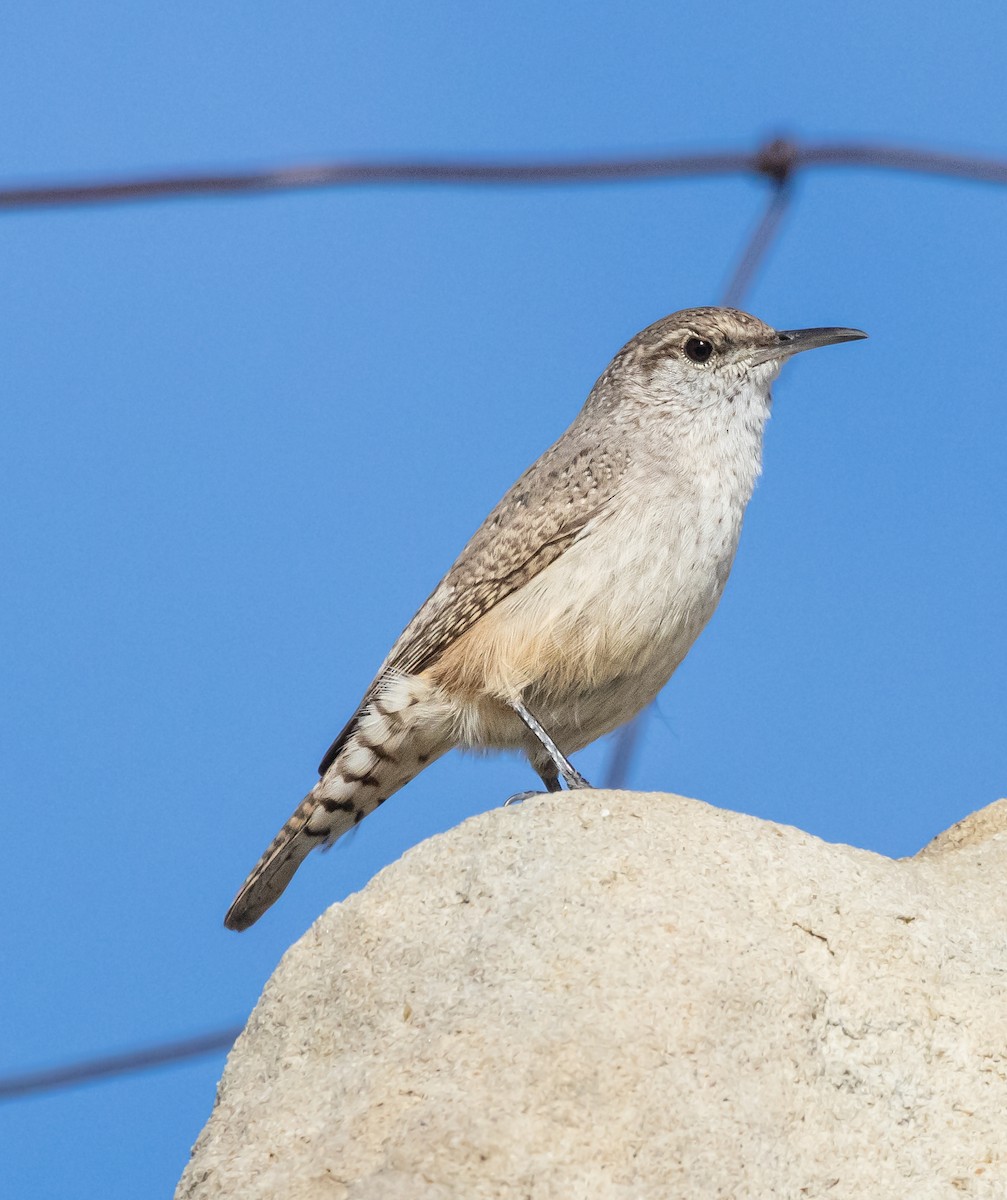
(403, 727)
(274, 870)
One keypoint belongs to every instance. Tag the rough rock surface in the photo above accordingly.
(633, 996)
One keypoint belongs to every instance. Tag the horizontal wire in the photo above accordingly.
(776, 160)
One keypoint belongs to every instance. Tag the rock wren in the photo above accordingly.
(580, 593)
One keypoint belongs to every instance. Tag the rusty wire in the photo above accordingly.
(777, 160)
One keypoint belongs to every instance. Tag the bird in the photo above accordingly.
(582, 591)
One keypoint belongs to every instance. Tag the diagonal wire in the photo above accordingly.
(627, 740)
(15, 1086)
(624, 747)
(758, 245)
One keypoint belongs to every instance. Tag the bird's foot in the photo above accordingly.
(573, 779)
(559, 767)
(574, 782)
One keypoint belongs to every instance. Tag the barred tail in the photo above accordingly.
(403, 726)
(334, 805)
(275, 868)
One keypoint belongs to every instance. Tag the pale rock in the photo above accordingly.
(633, 996)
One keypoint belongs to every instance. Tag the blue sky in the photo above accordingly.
(241, 439)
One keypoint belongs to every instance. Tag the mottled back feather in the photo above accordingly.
(544, 512)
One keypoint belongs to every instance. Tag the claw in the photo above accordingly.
(520, 797)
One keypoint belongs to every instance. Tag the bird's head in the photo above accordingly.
(703, 357)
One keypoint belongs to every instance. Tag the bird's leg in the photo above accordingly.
(549, 776)
(562, 765)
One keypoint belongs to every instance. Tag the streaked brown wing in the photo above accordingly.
(539, 517)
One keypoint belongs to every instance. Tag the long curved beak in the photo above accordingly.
(792, 341)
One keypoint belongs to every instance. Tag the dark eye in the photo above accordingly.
(698, 349)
